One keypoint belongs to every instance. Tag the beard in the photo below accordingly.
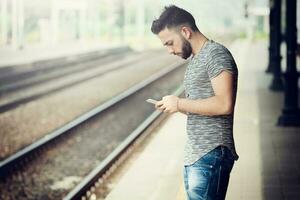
(186, 49)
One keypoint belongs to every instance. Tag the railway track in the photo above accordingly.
(130, 113)
(14, 73)
(33, 77)
(86, 188)
(86, 71)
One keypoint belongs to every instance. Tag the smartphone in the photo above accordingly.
(151, 101)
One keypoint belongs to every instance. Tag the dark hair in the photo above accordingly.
(172, 17)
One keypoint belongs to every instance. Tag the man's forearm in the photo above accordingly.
(211, 106)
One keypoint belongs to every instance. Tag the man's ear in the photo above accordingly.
(186, 32)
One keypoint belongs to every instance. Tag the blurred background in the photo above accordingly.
(33, 23)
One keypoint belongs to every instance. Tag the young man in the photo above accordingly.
(210, 83)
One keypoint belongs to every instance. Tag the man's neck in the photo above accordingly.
(197, 43)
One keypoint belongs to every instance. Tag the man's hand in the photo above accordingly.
(168, 104)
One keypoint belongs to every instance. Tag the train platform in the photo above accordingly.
(269, 163)
(15, 57)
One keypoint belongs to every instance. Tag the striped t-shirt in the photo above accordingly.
(204, 133)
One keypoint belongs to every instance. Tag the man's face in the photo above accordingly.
(175, 43)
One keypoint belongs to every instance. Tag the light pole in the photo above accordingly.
(290, 113)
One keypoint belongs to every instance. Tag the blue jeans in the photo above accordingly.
(207, 179)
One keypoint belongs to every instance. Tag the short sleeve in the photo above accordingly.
(218, 60)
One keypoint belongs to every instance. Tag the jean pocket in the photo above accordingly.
(207, 161)
(199, 179)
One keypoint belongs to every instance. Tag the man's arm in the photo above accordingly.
(220, 104)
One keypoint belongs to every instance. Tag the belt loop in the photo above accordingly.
(223, 150)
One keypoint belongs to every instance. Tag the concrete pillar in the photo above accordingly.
(14, 23)
(17, 23)
(21, 24)
(122, 25)
(126, 20)
(140, 23)
(54, 22)
(82, 24)
(4, 31)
